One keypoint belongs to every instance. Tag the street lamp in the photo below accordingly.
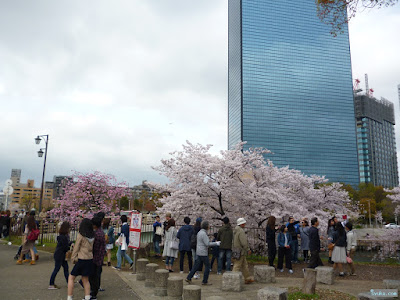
(40, 154)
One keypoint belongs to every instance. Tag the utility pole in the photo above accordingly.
(369, 208)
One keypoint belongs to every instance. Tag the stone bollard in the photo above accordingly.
(150, 273)
(175, 288)
(264, 274)
(325, 275)
(232, 281)
(141, 269)
(160, 282)
(215, 298)
(192, 292)
(392, 284)
(272, 293)
(309, 281)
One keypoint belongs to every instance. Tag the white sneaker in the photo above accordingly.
(291, 271)
(281, 270)
(196, 276)
(181, 272)
(219, 273)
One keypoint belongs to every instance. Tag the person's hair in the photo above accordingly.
(306, 223)
(96, 221)
(198, 222)
(106, 223)
(225, 220)
(124, 219)
(101, 215)
(329, 224)
(171, 222)
(271, 222)
(157, 216)
(86, 228)
(186, 220)
(283, 228)
(291, 217)
(168, 215)
(349, 226)
(30, 222)
(215, 235)
(205, 225)
(340, 229)
(314, 221)
(32, 213)
(8, 213)
(64, 228)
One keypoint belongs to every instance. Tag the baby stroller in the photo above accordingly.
(17, 255)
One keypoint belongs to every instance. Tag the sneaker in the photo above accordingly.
(181, 272)
(92, 298)
(33, 262)
(219, 273)
(304, 271)
(341, 274)
(196, 276)
(101, 290)
(188, 281)
(248, 281)
(206, 283)
(53, 287)
(210, 270)
(171, 271)
(131, 266)
(290, 271)
(116, 268)
(281, 270)
(19, 262)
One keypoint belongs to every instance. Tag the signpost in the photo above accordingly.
(135, 230)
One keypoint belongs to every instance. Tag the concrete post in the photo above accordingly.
(141, 269)
(192, 292)
(264, 274)
(175, 288)
(160, 282)
(309, 281)
(150, 273)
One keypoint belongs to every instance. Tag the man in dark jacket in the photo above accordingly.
(99, 250)
(184, 235)
(315, 244)
(225, 235)
(294, 245)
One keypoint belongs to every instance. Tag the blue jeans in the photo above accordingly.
(157, 247)
(199, 261)
(169, 260)
(222, 253)
(121, 253)
(294, 247)
(57, 267)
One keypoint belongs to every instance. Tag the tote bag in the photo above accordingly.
(174, 245)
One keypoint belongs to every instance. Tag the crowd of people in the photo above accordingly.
(229, 244)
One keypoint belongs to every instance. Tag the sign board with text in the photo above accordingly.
(135, 228)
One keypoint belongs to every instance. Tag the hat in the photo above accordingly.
(240, 221)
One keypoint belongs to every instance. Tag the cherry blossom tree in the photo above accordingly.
(394, 195)
(87, 194)
(241, 183)
(336, 13)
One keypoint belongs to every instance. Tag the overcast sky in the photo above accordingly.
(119, 84)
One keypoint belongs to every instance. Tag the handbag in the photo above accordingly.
(124, 245)
(331, 246)
(349, 260)
(159, 230)
(174, 245)
(236, 253)
(120, 240)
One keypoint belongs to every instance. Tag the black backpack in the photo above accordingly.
(193, 241)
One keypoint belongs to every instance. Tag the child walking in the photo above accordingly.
(62, 248)
(82, 257)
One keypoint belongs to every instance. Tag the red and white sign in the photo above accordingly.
(135, 230)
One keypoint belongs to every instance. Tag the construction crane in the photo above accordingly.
(369, 92)
(356, 86)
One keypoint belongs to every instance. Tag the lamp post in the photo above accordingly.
(40, 154)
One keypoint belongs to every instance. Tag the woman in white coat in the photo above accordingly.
(171, 245)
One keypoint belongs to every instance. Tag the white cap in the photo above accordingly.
(240, 221)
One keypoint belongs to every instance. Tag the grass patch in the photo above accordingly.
(295, 293)
(302, 296)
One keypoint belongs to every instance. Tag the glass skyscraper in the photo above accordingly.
(376, 141)
(290, 88)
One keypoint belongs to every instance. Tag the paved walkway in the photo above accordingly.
(31, 282)
(352, 287)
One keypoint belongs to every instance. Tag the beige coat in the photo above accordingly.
(83, 248)
(240, 240)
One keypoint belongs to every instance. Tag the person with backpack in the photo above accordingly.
(62, 248)
(82, 257)
(293, 229)
(31, 234)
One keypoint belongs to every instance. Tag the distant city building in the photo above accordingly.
(290, 88)
(376, 141)
(28, 189)
(59, 183)
(138, 190)
(15, 175)
(2, 201)
(398, 92)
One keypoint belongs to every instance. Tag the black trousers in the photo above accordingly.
(315, 260)
(182, 258)
(94, 280)
(271, 254)
(284, 252)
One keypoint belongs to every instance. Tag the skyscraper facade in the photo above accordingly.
(290, 88)
(376, 141)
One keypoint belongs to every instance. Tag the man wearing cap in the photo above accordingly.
(240, 242)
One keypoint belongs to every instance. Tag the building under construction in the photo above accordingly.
(376, 143)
